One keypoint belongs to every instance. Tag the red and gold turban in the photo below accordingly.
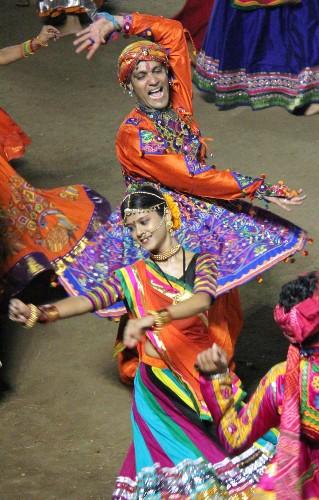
(143, 50)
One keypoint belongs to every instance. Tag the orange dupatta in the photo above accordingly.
(179, 342)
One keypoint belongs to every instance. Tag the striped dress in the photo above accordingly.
(174, 451)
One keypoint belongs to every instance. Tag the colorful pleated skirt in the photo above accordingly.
(261, 57)
(174, 454)
(43, 228)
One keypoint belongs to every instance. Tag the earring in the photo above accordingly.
(130, 92)
(169, 226)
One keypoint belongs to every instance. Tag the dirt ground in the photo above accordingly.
(64, 414)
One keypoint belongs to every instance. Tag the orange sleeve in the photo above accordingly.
(171, 171)
(171, 35)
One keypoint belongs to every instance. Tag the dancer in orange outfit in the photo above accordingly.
(12, 139)
(160, 141)
(41, 230)
(44, 229)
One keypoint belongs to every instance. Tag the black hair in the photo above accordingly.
(298, 290)
(144, 196)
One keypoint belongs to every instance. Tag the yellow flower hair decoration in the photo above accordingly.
(174, 210)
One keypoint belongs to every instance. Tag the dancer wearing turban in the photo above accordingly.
(160, 141)
(288, 397)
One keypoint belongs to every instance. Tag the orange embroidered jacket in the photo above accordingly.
(138, 131)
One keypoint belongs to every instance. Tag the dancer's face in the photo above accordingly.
(149, 230)
(149, 81)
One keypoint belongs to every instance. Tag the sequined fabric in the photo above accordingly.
(245, 242)
(180, 460)
(261, 58)
(46, 228)
(47, 7)
(192, 479)
(176, 135)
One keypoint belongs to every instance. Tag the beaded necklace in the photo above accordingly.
(161, 257)
(175, 131)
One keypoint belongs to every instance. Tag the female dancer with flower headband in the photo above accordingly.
(168, 296)
(288, 397)
(160, 141)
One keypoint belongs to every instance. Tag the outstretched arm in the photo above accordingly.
(28, 315)
(23, 50)
(237, 430)
(100, 297)
(171, 171)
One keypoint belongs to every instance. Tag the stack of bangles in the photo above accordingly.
(29, 47)
(161, 318)
(41, 314)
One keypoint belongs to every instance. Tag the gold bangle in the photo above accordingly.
(33, 316)
(161, 318)
(48, 313)
(42, 44)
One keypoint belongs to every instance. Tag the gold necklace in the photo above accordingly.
(160, 257)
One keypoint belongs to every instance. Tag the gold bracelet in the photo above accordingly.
(161, 318)
(33, 316)
(48, 313)
(42, 44)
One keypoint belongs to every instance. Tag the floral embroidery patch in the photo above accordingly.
(309, 397)
(151, 143)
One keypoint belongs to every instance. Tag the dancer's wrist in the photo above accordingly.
(117, 21)
(32, 317)
(48, 313)
(160, 318)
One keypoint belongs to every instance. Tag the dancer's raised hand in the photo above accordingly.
(47, 33)
(287, 203)
(92, 37)
(135, 329)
